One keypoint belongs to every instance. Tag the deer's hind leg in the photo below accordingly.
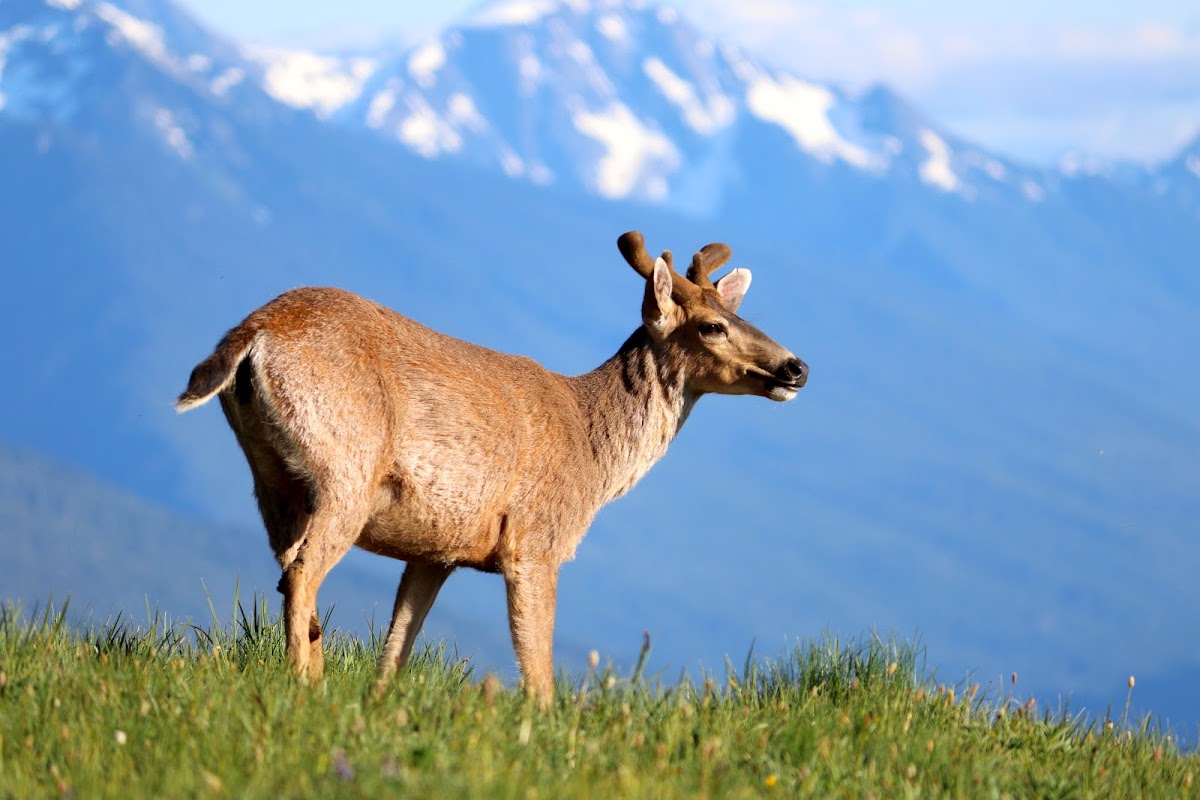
(309, 533)
(329, 531)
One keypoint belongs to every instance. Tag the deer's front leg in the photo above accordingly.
(532, 592)
(418, 589)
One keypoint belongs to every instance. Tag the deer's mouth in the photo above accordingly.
(782, 391)
(784, 381)
(779, 389)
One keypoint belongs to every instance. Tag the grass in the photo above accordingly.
(177, 711)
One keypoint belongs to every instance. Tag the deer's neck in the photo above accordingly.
(633, 405)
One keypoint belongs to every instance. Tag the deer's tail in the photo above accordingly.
(215, 373)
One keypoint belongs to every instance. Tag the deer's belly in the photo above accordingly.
(408, 524)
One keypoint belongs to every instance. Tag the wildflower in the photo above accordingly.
(120, 737)
(892, 667)
(1131, 681)
(771, 780)
(342, 765)
(593, 660)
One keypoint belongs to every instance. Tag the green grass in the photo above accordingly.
(174, 711)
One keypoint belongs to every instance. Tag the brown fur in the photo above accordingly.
(363, 427)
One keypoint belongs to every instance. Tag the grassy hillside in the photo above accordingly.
(173, 711)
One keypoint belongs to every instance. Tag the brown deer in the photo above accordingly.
(363, 427)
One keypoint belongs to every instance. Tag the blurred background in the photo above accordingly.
(980, 228)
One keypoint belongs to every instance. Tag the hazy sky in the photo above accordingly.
(1029, 78)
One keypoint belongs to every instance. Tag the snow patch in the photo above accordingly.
(173, 134)
(612, 26)
(142, 35)
(425, 132)
(512, 164)
(1193, 165)
(802, 109)
(581, 54)
(742, 67)
(304, 79)
(529, 67)
(512, 12)
(540, 174)
(1074, 164)
(530, 70)
(424, 64)
(636, 157)
(936, 169)
(461, 112)
(702, 118)
(231, 77)
(380, 105)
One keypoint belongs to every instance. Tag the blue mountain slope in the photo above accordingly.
(997, 447)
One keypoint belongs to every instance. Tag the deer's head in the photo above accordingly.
(697, 320)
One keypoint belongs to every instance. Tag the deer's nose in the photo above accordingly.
(794, 371)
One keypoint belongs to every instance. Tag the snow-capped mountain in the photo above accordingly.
(628, 100)
(59, 59)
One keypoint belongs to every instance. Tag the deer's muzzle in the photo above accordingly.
(787, 379)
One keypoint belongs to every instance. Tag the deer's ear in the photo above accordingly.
(732, 289)
(659, 310)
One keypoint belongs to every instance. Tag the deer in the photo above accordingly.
(364, 427)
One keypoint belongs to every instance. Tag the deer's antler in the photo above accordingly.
(707, 261)
(633, 248)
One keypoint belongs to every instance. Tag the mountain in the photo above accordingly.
(1179, 178)
(996, 448)
(628, 101)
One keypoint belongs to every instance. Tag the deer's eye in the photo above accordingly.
(711, 329)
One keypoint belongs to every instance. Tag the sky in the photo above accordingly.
(1034, 80)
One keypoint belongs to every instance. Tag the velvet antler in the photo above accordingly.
(707, 261)
(633, 248)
